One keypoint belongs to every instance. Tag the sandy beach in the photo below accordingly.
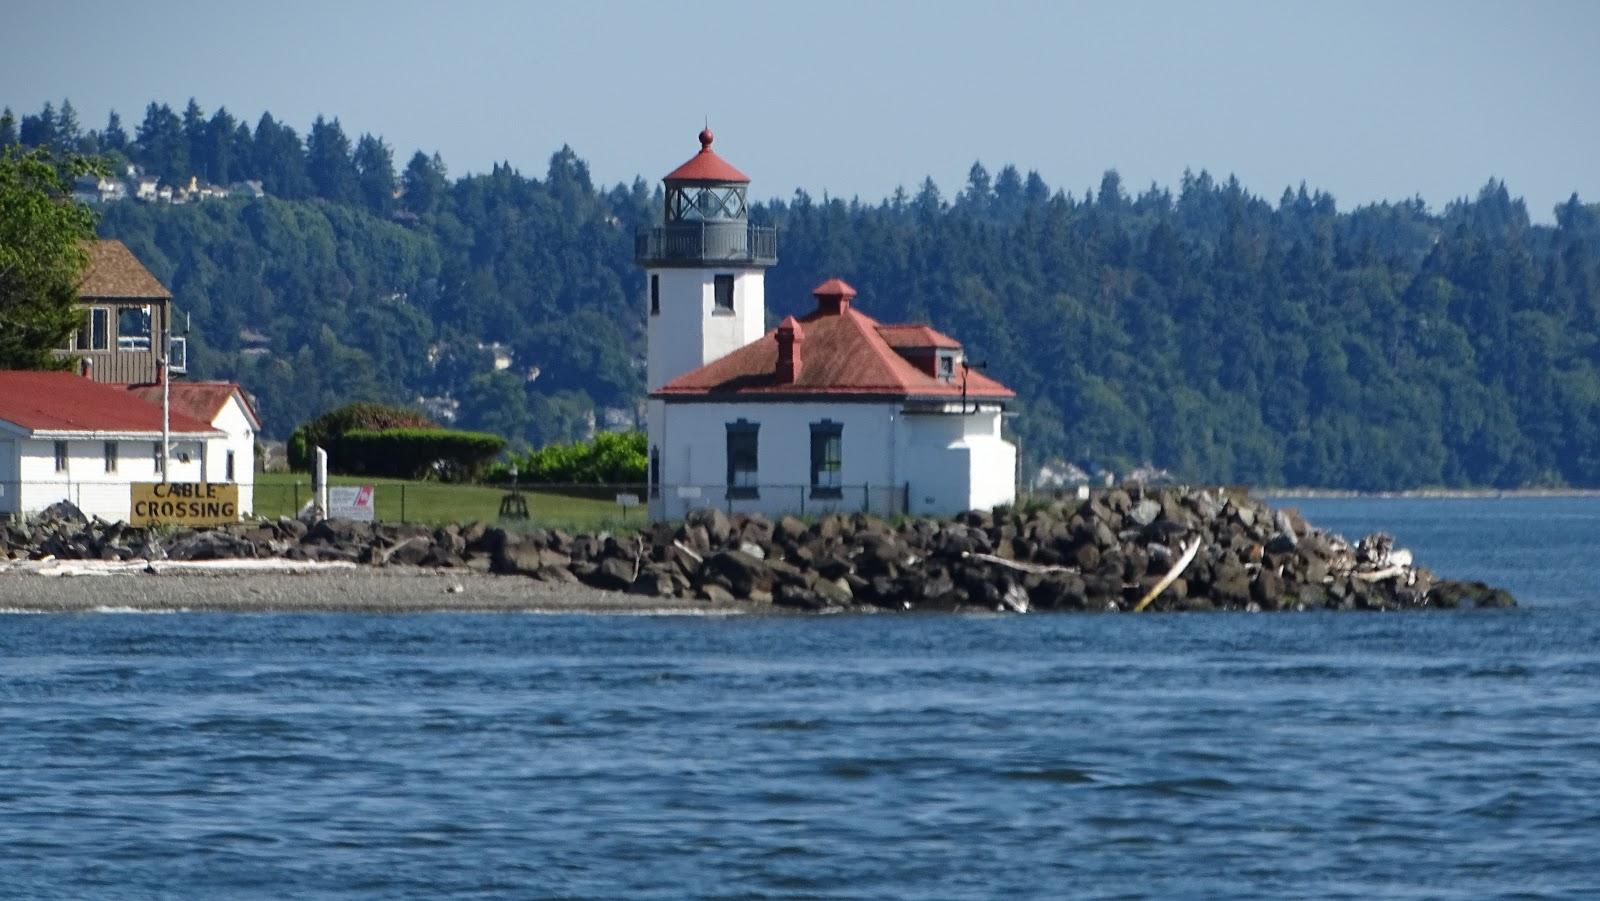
(330, 590)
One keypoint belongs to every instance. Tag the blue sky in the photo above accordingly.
(1366, 100)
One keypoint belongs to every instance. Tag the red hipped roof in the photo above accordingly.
(846, 353)
(707, 166)
(913, 337)
(64, 402)
(199, 400)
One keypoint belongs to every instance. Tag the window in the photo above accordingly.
(742, 459)
(133, 328)
(655, 295)
(111, 456)
(724, 294)
(228, 476)
(827, 460)
(61, 456)
(95, 333)
(155, 447)
(947, 367)
(655, 472)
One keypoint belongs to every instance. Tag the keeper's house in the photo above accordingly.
(66, 437)
(830, 411)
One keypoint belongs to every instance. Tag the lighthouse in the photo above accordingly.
(704, 277)
(832, 411)
(704, 268)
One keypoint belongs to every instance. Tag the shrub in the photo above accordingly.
(326, 430)
(611, 458)
(418, 453)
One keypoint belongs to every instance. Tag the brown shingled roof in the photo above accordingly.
(114, 271)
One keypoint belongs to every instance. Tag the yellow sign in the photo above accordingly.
(183, 503)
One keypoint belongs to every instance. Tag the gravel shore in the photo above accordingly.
(351, 590)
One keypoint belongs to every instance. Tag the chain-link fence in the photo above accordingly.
(582, 506)
(779, 500)
(109, 499)
(586, 506)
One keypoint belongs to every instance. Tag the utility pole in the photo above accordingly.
(164, 364)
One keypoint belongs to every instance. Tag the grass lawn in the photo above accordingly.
(434, 502)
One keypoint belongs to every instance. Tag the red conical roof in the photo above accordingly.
(707, 166)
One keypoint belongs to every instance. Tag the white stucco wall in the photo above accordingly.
(935, 464)
(241, 441)
(694, 439)
(10, 490)
(85, 481)
(688, 333)
(955, 463)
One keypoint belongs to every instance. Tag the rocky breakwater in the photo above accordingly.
(1121, 549)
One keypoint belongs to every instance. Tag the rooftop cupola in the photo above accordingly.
(705, 222)
(833, 296)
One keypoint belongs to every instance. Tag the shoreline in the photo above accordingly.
(328, 590)
(1425, 493)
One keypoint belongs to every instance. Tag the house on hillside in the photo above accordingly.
(65, 437)
(126, 311)
(226, 408)
(98, 189)
(830, 411)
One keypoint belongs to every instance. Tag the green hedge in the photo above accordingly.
(326, 430)
(417, 453)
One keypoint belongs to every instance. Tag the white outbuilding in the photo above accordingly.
(830, 411)
(227, 408)
(66, 437)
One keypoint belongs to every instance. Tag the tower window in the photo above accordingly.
(742, 477)
(95, 333)
(655, 295)
(655, 472)
(111, 456)
(723, 285)
(61, 456)
(827, 459)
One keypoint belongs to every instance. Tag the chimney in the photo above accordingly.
(833, 296)
(790, 337)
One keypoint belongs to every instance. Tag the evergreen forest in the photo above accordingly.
(1199, 328)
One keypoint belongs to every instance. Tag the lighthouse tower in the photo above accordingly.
(704, 267)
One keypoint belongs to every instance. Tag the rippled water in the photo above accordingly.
(1220, 755)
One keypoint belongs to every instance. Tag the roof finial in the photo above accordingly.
(705, 135)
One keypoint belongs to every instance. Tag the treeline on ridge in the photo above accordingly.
(1205, 330)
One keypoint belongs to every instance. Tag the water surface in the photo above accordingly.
(1354, 755)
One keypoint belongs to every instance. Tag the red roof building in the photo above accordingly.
(831, 411)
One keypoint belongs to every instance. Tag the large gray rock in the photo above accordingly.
(739, 572)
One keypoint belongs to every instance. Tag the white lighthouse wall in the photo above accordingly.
(690, 332)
